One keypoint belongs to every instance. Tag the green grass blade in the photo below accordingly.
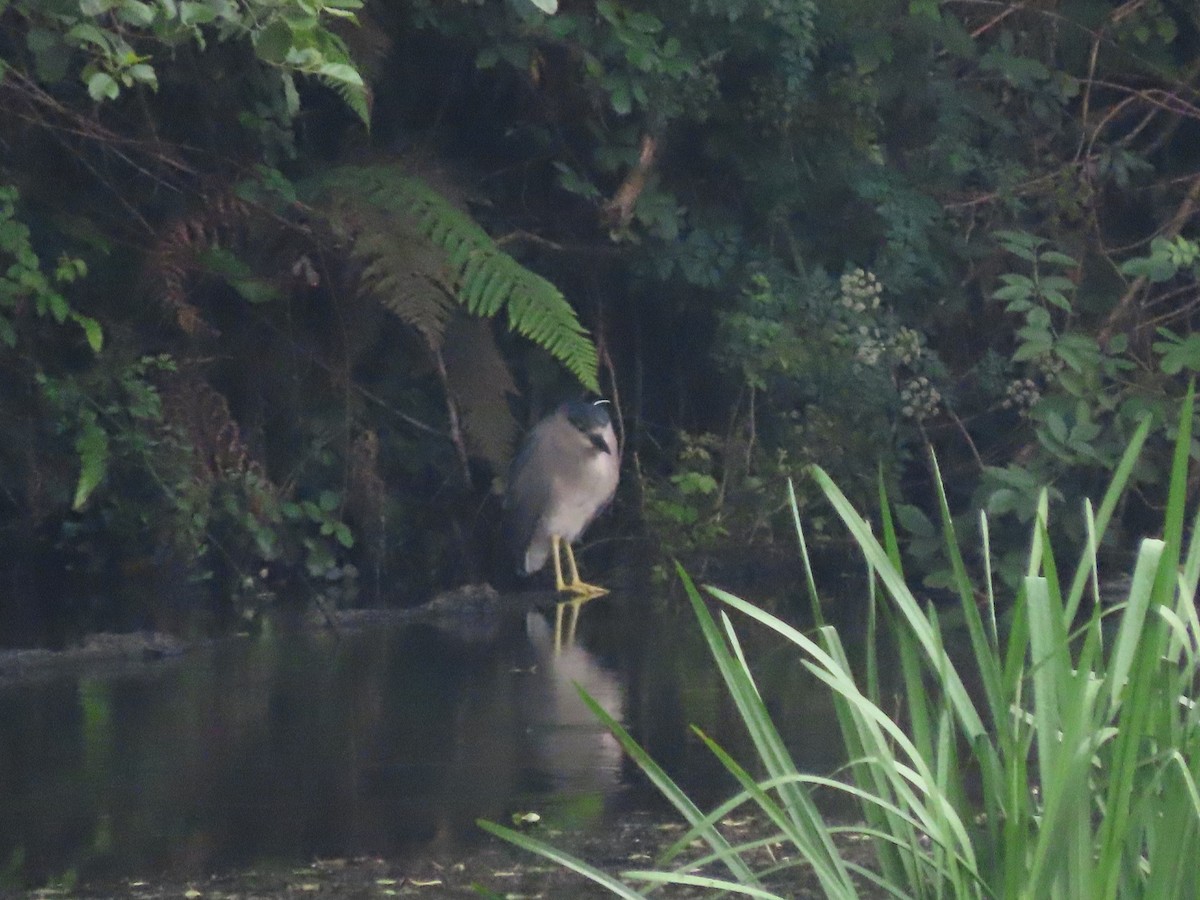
(1133, 618)
(562, 858)
(985, 651)
(1135, 688)
(704, 826)
(888, 527)
(1116, 488)
(809, 581)
(912, 778)
(961, 701)
(1191, 565)
(1177, 491)
(816, 844)
(1045, 683)
(732, 887)
(989, 585)
(759, 796)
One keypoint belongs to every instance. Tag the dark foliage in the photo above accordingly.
(250, 349)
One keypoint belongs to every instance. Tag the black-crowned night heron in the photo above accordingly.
(565, 473)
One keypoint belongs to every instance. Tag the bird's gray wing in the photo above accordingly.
(525, 497)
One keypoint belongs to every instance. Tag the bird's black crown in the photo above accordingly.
(588, 416)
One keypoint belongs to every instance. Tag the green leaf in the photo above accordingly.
(1032, 349)
(571, 181)
(136, 13)
(1013, 292)
(342, 72)
(1056, 283)
(924, 9)
(92, 447)
(59, 309)
(87, 33)
(98, 7)
(145, 74)
(622, 102)
(872, 49)
(1057, 426)
(290, 94)
(196, 13)
(273, 42)
(1177, 356)
(1038, 320)
(91, 329)
(1156, 268)
(1022, 239)
(1054, 257)
(914, 520)
(1057, 299)
(255, 290)
(52, 56)
(102, 86)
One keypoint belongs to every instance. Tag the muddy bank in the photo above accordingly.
(471, 610)
(96, 653)
(494, 866)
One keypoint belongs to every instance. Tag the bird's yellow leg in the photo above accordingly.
(576, 585)
(559, 586)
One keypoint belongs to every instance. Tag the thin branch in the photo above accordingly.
(618, 212)
(966, 436)
(994, 21)
(456, 432)
(1087, 92)
(73, 122)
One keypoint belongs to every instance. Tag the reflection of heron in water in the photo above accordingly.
(575, 605)
(574, 748)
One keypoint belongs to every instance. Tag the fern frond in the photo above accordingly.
(195, 410)
(404, 273)
(178, 252)
(351, 92)
(377, 210)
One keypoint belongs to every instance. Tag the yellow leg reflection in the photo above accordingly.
(576, 604)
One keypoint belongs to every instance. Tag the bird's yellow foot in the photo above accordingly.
(582, 590)
(576, 587)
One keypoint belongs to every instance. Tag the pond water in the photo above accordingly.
(386, 740)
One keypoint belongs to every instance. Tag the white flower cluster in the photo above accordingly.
(1021, 395)
(860, 291)
(870, 345)
(907, 345)
(919, 399)
(1050, 365)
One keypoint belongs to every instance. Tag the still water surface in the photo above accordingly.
(386, 740)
